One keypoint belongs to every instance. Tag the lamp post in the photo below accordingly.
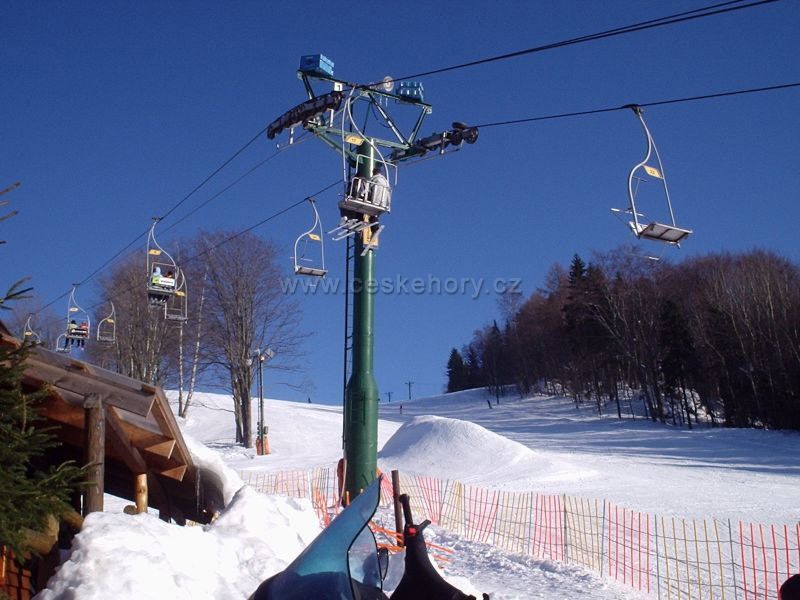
(262, 357)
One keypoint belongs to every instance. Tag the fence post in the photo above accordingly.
(658, 562)
(398, 511)
(565, 552)
(733, 563)
(602, 539)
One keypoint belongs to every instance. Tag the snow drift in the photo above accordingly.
(255, 537)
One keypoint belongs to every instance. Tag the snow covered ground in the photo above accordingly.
(539, 444)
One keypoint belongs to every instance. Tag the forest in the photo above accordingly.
(713, 339)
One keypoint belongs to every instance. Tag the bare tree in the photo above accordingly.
(146, 344)
(245, 311)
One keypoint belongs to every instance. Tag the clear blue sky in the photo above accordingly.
(112, 112)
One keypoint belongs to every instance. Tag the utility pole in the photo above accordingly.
(409, 384)
(262, 357)
(389, 396)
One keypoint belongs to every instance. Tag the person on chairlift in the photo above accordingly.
(155, 278)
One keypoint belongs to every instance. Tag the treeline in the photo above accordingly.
(715, 338)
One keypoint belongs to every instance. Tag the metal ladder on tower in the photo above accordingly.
(350, 252)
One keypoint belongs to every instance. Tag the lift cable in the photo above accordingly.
(782, 86)
(716, 9)
(244, 175)
(708, 11)
(217, 170)
(275, 215)
(136, 239)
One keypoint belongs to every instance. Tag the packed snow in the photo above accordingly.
(542, 444)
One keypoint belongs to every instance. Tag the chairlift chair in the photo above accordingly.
(107, 327)
(176, 306)
(162, 271)
(29, 334)
(310, 239)
(78, 322)
(669, 233)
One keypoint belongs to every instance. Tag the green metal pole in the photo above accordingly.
(361, 396)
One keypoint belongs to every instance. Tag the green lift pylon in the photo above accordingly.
(330, 116)
(361, 396)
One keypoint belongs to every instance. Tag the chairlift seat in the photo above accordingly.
(313, 272)
(660, 232)
(77, 333)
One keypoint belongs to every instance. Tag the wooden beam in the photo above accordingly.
(140, 492)
(84, 383)
(95, 448)
(176, 472)
(130, 455)
(164, 448)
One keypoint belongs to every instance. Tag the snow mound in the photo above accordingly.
(124, 556)
(454, 449)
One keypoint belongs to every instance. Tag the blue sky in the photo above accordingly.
(113, 112)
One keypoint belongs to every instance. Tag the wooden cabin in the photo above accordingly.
(126, 430)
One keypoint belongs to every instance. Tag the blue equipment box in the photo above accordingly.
(411, 90)
(316, 63)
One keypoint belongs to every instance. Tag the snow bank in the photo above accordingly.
(454, 449)
(123, 556)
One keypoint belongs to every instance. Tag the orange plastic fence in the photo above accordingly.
(667, 557)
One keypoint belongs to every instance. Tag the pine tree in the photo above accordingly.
(456, 372)
(29, 494)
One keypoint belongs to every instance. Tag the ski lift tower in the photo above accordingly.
(339, 118)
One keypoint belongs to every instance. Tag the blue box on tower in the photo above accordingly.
(316, 64)
(410, 90)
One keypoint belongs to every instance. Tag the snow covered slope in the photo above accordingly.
(539, 444)
(746, 474)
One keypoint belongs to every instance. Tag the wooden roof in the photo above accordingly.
(142, 435)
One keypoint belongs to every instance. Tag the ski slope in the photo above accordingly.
(540, 444)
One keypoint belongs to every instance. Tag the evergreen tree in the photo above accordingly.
(456, 372)
(474, 370)
(29, 493)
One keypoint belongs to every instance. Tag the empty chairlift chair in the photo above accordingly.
(176, 307)
(309, 249)
(642, 227)
(107, 327)
(28, 334)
